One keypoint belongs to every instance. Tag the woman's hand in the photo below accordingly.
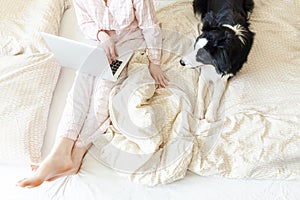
(158, 75)
(108, 45)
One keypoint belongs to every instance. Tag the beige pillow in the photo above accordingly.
(27, 83)
(22, 21)
(28, 76)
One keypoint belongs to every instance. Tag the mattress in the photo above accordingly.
(97, 181)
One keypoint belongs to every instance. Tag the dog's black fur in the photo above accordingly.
(227, 50)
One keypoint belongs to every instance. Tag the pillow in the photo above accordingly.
(28, 76)
(21, 23)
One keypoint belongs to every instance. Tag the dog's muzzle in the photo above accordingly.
(189, 60)
(196, 59)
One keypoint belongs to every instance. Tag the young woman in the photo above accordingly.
(118, 25)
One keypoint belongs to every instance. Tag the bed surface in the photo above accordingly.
(97, 181)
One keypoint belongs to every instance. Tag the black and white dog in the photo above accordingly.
(221, 49)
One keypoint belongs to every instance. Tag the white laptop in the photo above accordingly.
(85, 58)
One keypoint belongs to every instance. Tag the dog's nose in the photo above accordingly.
(182, 62)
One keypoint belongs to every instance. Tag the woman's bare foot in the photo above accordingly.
(57, 162)
(77, 157)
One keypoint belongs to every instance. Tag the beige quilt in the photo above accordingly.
(154, 138)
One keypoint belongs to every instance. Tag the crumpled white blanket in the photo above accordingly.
(150, 138)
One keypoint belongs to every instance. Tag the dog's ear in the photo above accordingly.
(219, 38)
(222, 40)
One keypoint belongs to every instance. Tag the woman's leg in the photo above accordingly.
(97, 122)
(64, 156)
(88, 95)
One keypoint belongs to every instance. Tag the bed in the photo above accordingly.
(251, 151)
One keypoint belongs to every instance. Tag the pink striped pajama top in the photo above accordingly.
(124, 20)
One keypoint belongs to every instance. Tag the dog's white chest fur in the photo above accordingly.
(210, 73)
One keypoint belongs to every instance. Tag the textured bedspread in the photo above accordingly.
(28, 76)
(27, 83)
(154, 138)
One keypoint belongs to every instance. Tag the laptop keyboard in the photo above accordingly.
(115, 66)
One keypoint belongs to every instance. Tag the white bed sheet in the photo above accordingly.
(96, 181)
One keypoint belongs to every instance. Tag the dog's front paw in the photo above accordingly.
(210, 117)
(199, 114)
(211, 114)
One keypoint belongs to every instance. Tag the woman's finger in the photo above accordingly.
(166, 77)
(116, 51)
(107, 52)
(108, 56)
(156, 81)
(165, 81)
(161, 82)
(113, 53)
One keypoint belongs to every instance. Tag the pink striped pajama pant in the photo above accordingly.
(86, 111)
